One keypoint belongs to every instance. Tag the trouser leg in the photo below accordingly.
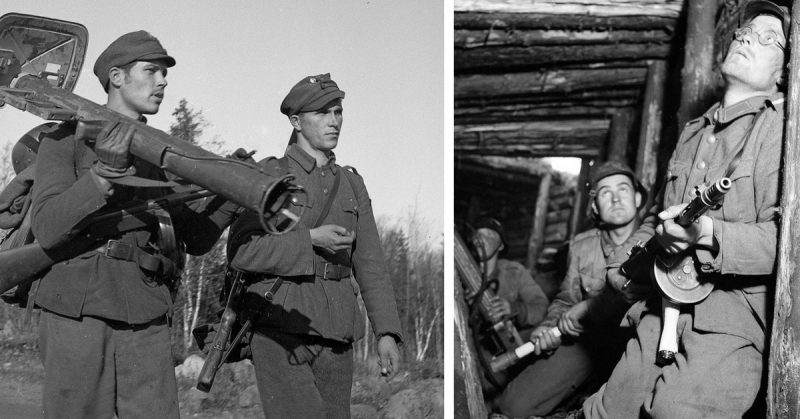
(545, 383)
(284, 376)
(146, 385)
(79, 367)
(333, 369)
(716, 375)
(632, 380)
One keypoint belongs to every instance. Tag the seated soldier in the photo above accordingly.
(581, 331)
(516, 295)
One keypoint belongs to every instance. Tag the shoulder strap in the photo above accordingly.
(336, 180)
(758, 119)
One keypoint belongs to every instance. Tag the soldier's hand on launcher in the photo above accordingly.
(500, 308)
(332, 237)
(570, 321)
(544, 339)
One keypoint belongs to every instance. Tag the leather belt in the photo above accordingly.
(122, 250)
(327, 270)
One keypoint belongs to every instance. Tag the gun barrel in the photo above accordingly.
(22, 263)
(710, 197)
(269, 194)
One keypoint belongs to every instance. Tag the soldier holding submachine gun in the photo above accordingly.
(731, 249)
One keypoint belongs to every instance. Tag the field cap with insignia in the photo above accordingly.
(133, 46)
(311, 94)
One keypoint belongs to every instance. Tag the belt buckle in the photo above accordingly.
(117, 244)
(325, 270)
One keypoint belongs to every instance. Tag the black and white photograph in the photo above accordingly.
(623, 198)
(222, 209)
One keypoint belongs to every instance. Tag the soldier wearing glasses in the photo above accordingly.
(718, 369)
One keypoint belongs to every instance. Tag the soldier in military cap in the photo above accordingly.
(718, 369)
(585, 311)
(302, 348)
(104, 336)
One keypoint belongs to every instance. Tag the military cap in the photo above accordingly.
(761, 7)
(311, 94)
(133, 46)
(609, 168)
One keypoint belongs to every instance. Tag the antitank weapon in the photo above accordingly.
(504, 333)
(40, 60)
(675, 275)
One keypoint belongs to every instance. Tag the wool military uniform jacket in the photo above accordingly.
(586, 275)
(745, 227)
(87, 282)
(306, 303)
(515, 284)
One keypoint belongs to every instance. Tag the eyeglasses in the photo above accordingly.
(765, 38)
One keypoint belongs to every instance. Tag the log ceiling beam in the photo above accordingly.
(495, 37)
(666, 8)
(470, 60)
(553, 81)
(576, 138)
(478, 21)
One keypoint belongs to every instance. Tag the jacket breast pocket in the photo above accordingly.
(591, 284)
(350, 210)
(739, 203)
(675, 183)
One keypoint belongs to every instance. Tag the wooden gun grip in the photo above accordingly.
(215, 354)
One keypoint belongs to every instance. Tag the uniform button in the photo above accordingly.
(712, 139)
(323, 174)
(325, 191)
(701, 165)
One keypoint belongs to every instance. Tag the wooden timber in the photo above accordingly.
(783, 390)
(547, 55)
(667, 8)
(650, 133)
(514, 21)
(466, 364)
(574, 138)
(697, 75)
(536, 237)
(619, 135)
(501, 37)
(554, 81)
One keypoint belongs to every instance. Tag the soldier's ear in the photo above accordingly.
(115, 77)
(295, 121)
(595, 211)
(637, 198)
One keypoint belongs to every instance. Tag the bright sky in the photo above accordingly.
(236, 63)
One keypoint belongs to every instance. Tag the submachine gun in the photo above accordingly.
(675, 275)
(40, 60)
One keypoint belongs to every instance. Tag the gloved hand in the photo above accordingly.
(113, 149)
(242, 155)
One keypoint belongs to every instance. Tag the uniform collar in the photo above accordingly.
(719, 115)
(305, 160)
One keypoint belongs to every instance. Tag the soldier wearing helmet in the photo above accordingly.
(718, 369)
(584, 311)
